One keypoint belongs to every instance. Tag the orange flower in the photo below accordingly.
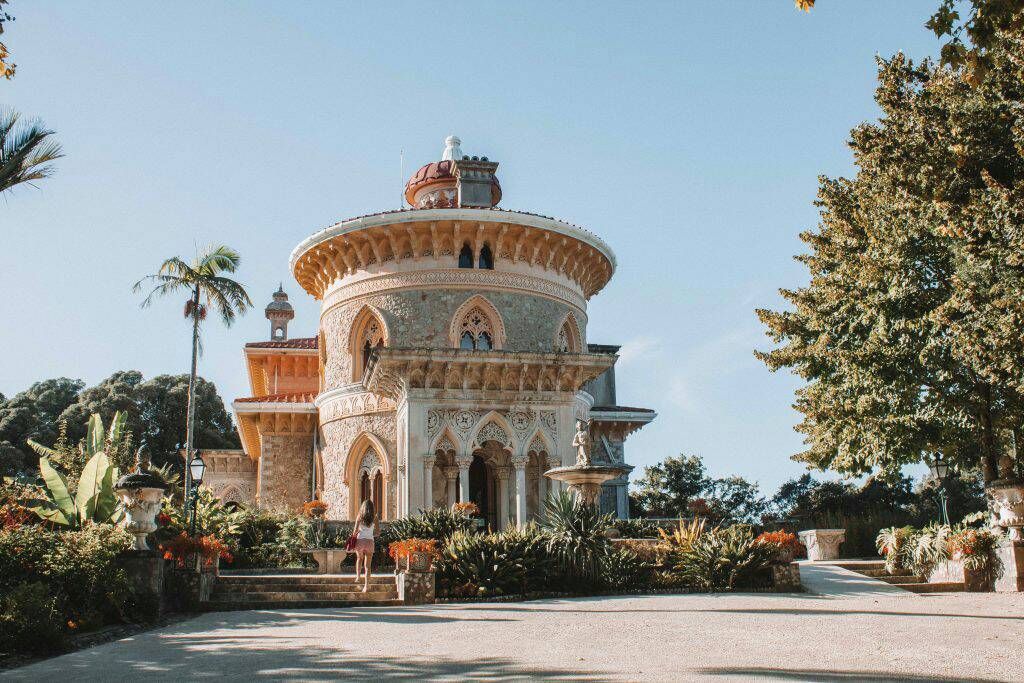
(314, 508)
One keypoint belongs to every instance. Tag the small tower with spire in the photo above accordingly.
(279, 312)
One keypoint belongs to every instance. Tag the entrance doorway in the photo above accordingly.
(481, 490)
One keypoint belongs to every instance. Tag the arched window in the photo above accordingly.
(486, 258)
(466, 257)
(367, 334)
(568, 340)
(477, 332)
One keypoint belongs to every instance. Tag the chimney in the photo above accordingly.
(474, 177)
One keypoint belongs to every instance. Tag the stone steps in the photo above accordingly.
(904, 579)
(275, 591)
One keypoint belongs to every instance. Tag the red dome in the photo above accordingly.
(440, 172)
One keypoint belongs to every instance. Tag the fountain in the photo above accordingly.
(585, 478)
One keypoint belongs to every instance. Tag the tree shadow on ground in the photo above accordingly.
(762, 672)
(196, 651)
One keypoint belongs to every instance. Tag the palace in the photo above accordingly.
(450, 364)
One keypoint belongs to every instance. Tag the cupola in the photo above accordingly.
(279, 312)
(457, 180)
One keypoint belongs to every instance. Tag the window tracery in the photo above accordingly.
(476, 330)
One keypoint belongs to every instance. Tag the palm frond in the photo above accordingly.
(26, 153)
(229, 297)
(218, 259)
(167, 285)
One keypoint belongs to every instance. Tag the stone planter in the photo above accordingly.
(786, 578)
(1008, 499)
(328, 560)
(141, 492)
(416, 588)
(822, 544)
(953, 571)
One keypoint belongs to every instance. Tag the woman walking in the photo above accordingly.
(366, 524)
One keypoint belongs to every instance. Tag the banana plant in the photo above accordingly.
(96, 439)
(93, 497)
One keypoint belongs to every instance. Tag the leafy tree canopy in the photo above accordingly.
(909, 332)
(155, 411)
(680, 486)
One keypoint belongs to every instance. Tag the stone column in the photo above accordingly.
(428, 480)
(542, 491)
(450, 476)
(464, 461)
(519, 463)
(501, 473)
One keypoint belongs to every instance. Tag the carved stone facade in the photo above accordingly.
(450, 363)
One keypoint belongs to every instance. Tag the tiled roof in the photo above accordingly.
(297, 343)
(294, 397)
(619, 409)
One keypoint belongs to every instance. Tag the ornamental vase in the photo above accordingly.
(141, 506)
(1008, 499)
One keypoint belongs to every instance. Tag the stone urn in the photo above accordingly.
(1008, 501)
(141, 492)
(822, 544)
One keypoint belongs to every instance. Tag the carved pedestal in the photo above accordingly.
(822, 544)
(1011, 555)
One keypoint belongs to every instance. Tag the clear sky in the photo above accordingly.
(689, 135)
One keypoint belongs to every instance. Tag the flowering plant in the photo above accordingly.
(468, 509)
(402, 549)
(183, 546)
(975, 547)
(314, 509)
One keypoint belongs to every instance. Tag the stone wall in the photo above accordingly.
(286, 470)
(422, 318)
(338, 437)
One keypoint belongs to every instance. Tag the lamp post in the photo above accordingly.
(197, 469)
(939, 469)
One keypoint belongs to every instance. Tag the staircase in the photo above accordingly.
(281, 591)
(902, 578)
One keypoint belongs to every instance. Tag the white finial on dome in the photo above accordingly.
(452, 151)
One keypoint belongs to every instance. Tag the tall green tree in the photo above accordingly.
(207, 287)
(27, 151)
(680, 487)
(908, 332)
(33, 414)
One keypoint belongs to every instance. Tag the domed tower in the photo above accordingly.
(453, 348)
(279, 312)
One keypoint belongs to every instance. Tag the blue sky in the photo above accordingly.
(689, 135)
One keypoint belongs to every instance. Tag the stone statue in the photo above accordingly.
(581, 442)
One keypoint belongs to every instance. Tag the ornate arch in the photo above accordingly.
(232, 494)
(476, 306)
(501, 431)
(367, 327)
(445, 440)
(569, 338)
(367, 444)
(538, 441)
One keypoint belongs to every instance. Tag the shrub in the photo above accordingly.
(183, 548)
(399, 550)
(79, 577)
(892, 544)
(479, 565)
(438, 524)
(684, 535)
(637, 528)
(31, 621)
(724, 560)
(623, 569)
(977, 550)
(784, 543)
(469, 509)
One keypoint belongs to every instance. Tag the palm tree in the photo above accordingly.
(207, 288)
(25, 152)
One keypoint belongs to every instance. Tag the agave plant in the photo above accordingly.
(576, 539)
(684, 536)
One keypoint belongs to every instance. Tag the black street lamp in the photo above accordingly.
(197, 469)
(939, 469)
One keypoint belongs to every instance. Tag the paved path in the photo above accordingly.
(962, 637)
(826, 579)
